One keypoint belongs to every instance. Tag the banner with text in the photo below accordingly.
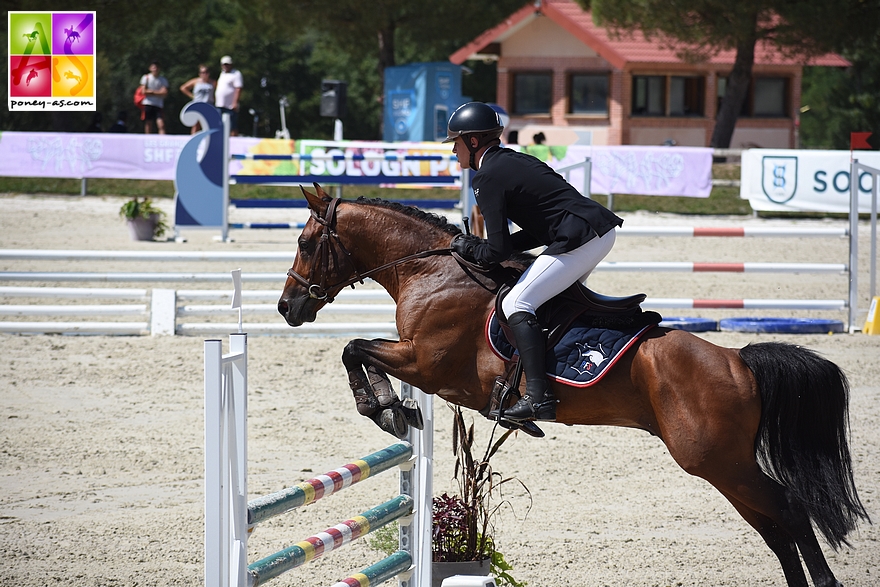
(661, 171)
(94, 155)
(804, 180)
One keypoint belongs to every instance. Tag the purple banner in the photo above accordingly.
(92, 155)
(646, 171)
(651, 171)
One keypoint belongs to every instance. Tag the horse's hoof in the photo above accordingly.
(412, 413)
(392, 421)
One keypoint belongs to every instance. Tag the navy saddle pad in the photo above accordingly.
(583, 354)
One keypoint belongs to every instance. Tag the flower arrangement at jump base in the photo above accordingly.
(145, 220)
(463, 524)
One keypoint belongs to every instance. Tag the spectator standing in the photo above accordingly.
(229, 85)
(200, 89)
(155, 91)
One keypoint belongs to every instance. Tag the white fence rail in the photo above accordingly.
(365, 311)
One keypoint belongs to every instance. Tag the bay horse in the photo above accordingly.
(766, 425)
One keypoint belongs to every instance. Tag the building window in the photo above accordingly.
(532, 93)
(766, 96)
(649, 95)
(588, 94)
(685, 96)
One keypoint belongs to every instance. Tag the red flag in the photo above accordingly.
(859, 140)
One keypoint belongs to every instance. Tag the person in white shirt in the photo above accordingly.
(229, 85)
(155, 89)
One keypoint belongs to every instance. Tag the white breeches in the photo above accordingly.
(552, 274)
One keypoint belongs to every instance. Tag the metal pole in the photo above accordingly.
(415, 537)
(237, 402)
(853, 244)
(337, 136)
(215, 517)
(874, 190)
(467, 195)
(227, 123)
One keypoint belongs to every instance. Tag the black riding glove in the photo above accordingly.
(465, 245)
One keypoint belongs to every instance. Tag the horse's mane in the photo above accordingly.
(435, 220)
(413, 212)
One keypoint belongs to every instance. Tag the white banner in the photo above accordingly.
(780, 180)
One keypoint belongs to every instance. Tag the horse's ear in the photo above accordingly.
(319, 201)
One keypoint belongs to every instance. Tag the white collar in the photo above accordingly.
(480, 163)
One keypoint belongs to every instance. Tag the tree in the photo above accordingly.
(392, 32)
(700, 28)
(282, 49)
(837, 103)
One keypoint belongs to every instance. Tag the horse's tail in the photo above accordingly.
(802, 437)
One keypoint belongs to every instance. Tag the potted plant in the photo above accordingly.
(463, 542)
(145, 221)
(462, 533)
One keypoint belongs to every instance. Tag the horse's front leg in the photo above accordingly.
(366, 362)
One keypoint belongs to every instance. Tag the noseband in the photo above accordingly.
(327, 246)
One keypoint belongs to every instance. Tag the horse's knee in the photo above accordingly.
(351, 356)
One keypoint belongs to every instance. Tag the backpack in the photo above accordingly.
(139, 100)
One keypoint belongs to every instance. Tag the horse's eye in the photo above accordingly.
(305, 246)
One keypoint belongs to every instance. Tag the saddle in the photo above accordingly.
(579, 301)
(576, 306)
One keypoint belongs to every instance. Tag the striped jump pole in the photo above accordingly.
(339, 535)
(732, 231)
(745, 304)
(380, 572)
(275, 504)
(230, 520)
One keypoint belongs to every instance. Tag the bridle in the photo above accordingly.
(328, 245)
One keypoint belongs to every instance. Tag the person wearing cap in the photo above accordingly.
(577, 234)
(228, 92)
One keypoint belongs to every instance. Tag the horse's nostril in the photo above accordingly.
(283, 308)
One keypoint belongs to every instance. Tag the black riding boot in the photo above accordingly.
(539, 402)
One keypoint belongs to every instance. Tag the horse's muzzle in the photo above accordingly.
(297, 310)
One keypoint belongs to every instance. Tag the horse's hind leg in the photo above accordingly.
(782, 545)
(784, 526)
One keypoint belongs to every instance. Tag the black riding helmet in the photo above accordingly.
(474, 118)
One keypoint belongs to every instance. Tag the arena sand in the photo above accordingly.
(101, 438)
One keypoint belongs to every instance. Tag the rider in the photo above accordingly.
(576, 231)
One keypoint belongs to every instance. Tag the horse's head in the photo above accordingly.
(317, 269)
(344, 244)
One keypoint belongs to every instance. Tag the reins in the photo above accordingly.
(326, 247)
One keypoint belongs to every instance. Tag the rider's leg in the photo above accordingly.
(546, 277)
(539, 402)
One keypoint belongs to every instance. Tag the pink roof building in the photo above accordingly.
(561, 74)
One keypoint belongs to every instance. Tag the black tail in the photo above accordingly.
(802, 438)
